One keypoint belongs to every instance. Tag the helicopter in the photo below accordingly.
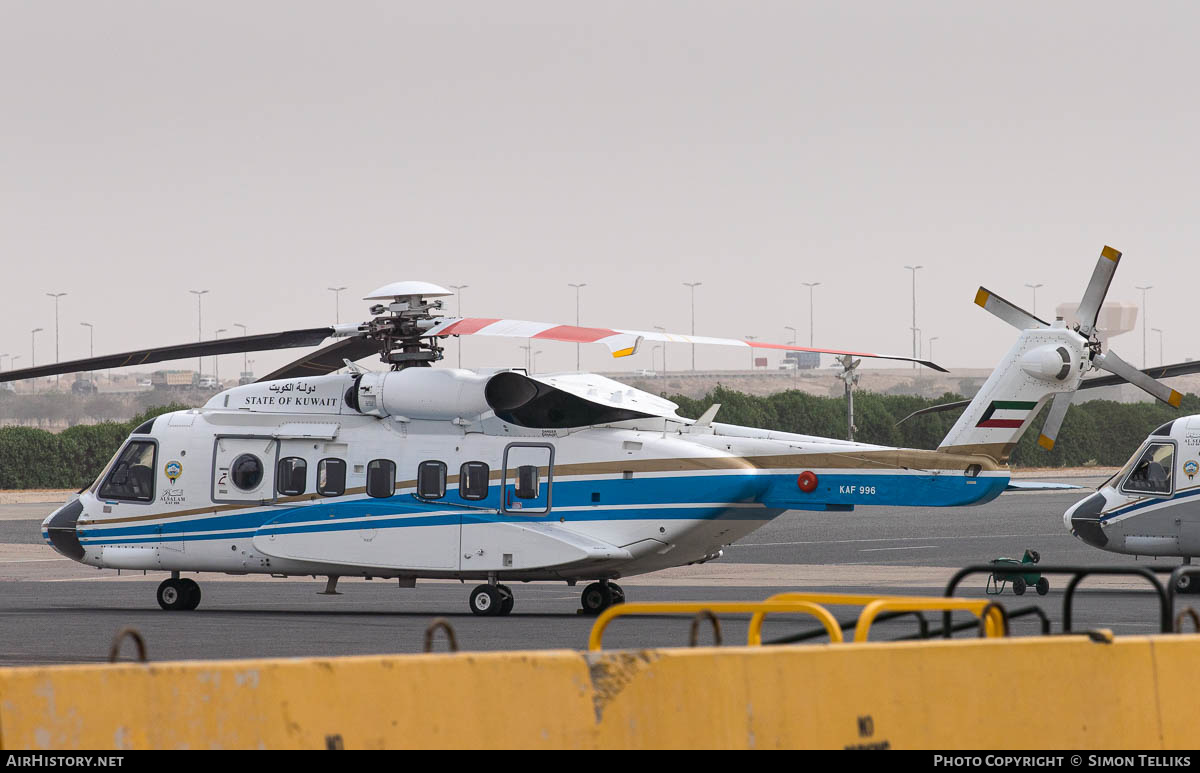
(415, 472)
(1148, 507)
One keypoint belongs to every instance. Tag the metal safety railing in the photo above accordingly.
(877, 608)
(830, 623)
(1078, 573)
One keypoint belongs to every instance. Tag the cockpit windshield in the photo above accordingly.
(132, 476)
(1152, 472)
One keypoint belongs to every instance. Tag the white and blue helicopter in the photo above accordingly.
(1150, 506)
(499, 477)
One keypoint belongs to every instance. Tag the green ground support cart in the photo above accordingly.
(1020, 580)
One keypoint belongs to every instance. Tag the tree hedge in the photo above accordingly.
(1098, 432)
(35, 458)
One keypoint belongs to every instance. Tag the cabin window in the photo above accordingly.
(431, 480)
(1152, 473)
(473, 480)
(132, 476)
(292, 476)
(246, 472)
(527, 482)
(331, 477)
(381, 478)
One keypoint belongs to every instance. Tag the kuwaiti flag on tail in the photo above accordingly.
(1006, 414)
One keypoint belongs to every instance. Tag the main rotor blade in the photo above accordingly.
(1054, 420)
(1113, 364)
(326, 359)
(1093, 296)
(621, 343)
(1007, 311)
(936, 409)
(256, 343)
(1161, 371)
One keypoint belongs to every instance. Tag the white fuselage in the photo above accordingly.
(624, 498)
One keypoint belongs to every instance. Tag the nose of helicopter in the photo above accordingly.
(1083, 520)
(59, 529)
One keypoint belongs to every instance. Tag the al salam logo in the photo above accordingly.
(1191, 468)
(173, 470)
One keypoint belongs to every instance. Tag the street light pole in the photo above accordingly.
(33, 351)
(663, 330)
(92, 342)
(913, 269)
(1033, 287)
(337, 303)
(810, 286)
(244, 370)
(577, 287)
(1145, 320)
(931, 340)
(56, 296)
(458, 302)
(199, 329)
(217, 362)
(751, 339)
(693, 286)
(795, 362)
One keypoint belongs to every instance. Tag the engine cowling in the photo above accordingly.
(421, 393)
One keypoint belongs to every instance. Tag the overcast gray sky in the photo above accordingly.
(268, 150)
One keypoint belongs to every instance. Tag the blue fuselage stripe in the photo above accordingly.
(576, 500)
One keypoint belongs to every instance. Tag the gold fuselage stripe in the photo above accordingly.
(890, 459)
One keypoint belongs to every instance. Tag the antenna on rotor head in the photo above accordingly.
(400, 324)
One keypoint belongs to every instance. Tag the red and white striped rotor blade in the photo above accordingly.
(622, 343)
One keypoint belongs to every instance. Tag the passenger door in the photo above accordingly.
(528, 478)
(244, 469)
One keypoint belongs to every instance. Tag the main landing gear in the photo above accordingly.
(599, 596)
(491, 600)
(177, 594)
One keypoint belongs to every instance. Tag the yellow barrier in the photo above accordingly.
(1136, 692)
(994, 626)
(595, 639)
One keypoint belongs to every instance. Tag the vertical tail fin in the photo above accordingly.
(1048, 361)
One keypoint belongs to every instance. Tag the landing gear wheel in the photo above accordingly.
(1019, 586)
(596, 598)
(1043, 586)
(486, 601)
(618, 593)
(191, 590)
(172, 595)
(506, 605)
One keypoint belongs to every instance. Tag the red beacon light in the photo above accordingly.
(807, 481)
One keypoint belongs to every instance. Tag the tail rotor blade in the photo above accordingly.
(1097, 289)
(1009, 312)
(1054, 420)
(1110, 362)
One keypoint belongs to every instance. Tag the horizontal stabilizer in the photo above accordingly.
(1037, 485)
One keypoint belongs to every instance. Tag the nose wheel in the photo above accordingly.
(599, 596)
(491, 600)
(178, 595)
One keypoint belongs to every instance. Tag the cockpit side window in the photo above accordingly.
(132, 476)
(1152, 473)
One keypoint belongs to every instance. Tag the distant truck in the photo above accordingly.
(83, 386)
(173, 379)
(800, 361)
